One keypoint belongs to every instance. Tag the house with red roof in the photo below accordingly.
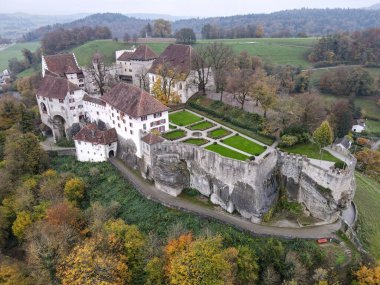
(131, 111)
(174, 67)
(95, 145)
(133, 65)
(63, 65)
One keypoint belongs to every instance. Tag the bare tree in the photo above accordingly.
(240, 84)
(201, 67)
(100, 74)
(221, 58)
(142, 74)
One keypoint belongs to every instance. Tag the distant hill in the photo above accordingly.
(157, 16)
(290, 23)
(13, 26)
(374, 7)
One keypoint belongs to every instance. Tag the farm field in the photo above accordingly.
(15, 51)
(367, 199)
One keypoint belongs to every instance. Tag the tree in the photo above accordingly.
(126, 37)
(247, 267)
(201, 261)
(135, 38)
(368, 160)
(240, 85)
(323, 135)
(74, 190)
(368, 276)
(134, 245)
(342, 118)
(201, 66)
(185, 36)
(22, 222)
(146, 31)
(221, 58)
(155, 272)
(313, 109)
(100, 75)
(162, 28)
(95, 261)
(260, 31)
(24, 154)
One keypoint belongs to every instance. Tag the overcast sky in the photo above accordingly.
(198, 8)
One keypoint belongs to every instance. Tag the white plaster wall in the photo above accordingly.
(87, 151)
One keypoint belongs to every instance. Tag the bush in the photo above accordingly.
(288, 140)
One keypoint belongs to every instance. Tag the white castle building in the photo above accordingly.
(126, 108)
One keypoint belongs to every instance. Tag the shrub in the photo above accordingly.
(340, 165)
(74, 190)
(288, 140)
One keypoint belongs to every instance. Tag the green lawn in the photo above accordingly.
(174, 135)
(311, 151)
(205, 125)
(218, 133)
(367, 199)
(244, 144)
(368, 104)
(196, 141)
(373, 126)
(183, 118)
(15, 51)
(272, 50)
(224, 151)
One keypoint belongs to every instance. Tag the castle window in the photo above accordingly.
(180, 86)
(144, 118)
(131, 125)
(118, 125)
(50, 100)
(97, 113)
(131, 132)
(144, 126)
(157, 115)
(60, 100)
(72, 108)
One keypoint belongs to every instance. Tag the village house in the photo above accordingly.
(175, 64)
(95, 145)
(133, 65)
(63, 65)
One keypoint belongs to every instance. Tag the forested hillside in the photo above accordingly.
(290, 23)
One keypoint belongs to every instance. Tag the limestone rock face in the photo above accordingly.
(171, 174)
(251, 188)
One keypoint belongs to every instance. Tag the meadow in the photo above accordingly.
(367, 199)
(15, 51)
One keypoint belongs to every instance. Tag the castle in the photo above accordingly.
(127, 121)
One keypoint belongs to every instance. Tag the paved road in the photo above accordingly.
(150, 192)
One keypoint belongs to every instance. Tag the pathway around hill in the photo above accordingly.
(150, 192)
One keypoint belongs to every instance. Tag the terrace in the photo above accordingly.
(189, 127)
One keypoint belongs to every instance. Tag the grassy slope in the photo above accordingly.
(281, 51)
(85, 52)
(367, 199)
(15, 51)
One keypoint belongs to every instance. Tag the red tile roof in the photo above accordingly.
(176, 57)
(144, 52)
(55, 87)
(125, 56)
(62, 64)
(133, 101)
(94, 100)
(91, 133)
(152, 139)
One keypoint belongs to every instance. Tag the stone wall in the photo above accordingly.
(250, 187)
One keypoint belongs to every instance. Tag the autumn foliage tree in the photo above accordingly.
(368, 276)
(323, 135)
(74, 190)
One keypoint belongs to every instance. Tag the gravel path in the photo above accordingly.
(150, 192)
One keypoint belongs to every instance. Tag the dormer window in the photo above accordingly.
(60, 100)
